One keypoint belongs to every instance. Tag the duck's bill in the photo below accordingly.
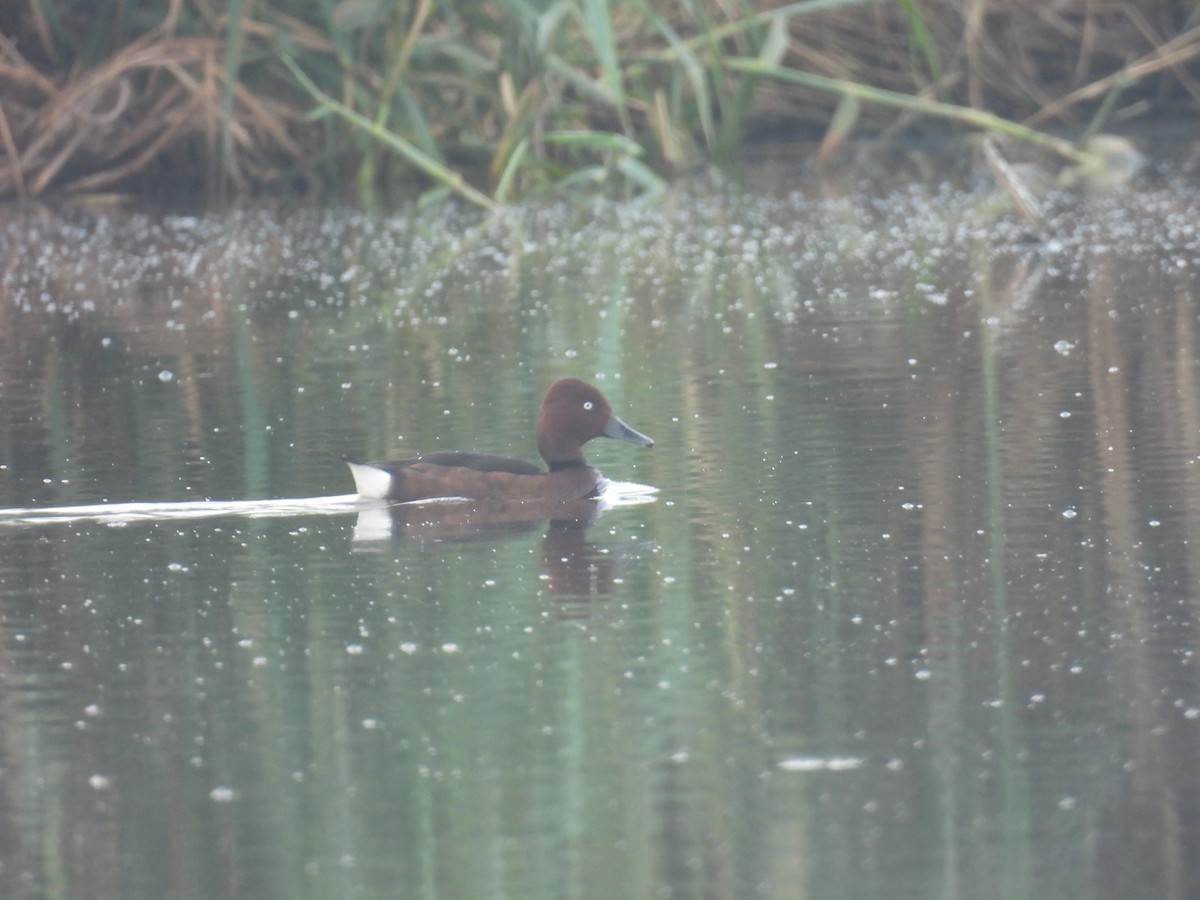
(622, 432)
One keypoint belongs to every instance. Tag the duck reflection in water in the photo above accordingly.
(575, 568)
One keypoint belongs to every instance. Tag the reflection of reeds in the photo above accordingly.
(509, 97)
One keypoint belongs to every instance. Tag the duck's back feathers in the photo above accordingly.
(480, 462)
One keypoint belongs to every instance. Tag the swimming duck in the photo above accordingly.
(573, 412)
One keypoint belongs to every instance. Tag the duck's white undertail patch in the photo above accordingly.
(370, 481)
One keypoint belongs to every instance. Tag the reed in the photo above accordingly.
(505, 99)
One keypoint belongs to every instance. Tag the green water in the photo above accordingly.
(912, 614)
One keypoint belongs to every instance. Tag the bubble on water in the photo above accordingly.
(1069, 513)
(1063, 347)
(166, 375)
(223, 794)
(821, 763)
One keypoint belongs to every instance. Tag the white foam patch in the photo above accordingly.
(821, 763)
(625, 493)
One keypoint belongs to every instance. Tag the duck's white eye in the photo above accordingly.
(587, 404)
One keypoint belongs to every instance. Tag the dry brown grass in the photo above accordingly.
(1030, 60)
(148, 107)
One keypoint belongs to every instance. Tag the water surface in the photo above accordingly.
(913, 612)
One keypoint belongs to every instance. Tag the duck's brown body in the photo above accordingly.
(472, 476)
(573, 412)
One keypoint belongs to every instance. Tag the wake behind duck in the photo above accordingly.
(613, 494)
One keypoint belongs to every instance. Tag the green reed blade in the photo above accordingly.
(692, 69)
(976, 118)
(922, 40)
(431, 167)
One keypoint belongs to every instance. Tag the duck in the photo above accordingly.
(573, 412)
